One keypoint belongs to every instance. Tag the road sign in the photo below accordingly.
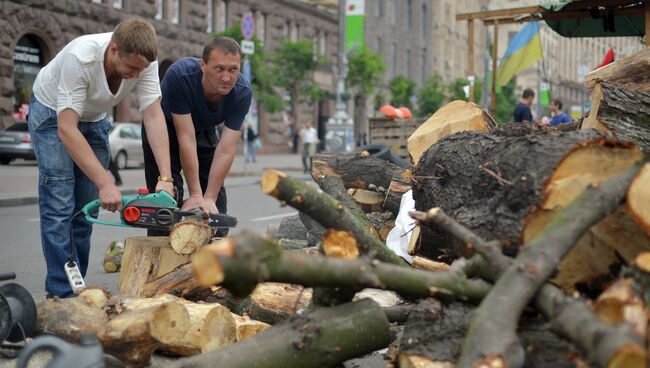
(247, 47)
(247, 25)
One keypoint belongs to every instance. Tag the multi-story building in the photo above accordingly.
(565, 60)
(33, 31)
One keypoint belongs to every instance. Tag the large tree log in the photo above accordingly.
(456, 116)
(535, 263)
(145, 259)
(621, 111)
(507, 184)
(320, 338)
(239, 263)
(328, 211)
(569, 316)
(179, 282)
(630, 71)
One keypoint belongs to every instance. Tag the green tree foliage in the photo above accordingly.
(262, 81)
(507, 99)
(401, 90)
(292, 68)
(455, 89)
(431, 96)
(366, 71)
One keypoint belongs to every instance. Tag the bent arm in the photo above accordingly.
(223, 158)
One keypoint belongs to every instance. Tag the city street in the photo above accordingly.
(20, 246)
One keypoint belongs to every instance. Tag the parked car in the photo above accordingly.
(126, 145)
(15, 142)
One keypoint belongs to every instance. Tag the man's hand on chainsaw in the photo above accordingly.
(167, 187)
(110, 197)
(196, 201)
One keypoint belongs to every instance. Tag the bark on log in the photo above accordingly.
(239, 263)
(329, 211)
(333, 186)
(433, 335)
(188, 236)
(569, 316)
(145, 259)
(320, 338)
(638, 198)
(507, 184)
(359, 172)
(533, 266)
(270, 302)
(456, 116)
(623, 112)
(68, 318)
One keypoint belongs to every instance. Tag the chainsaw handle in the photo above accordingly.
(95, 205)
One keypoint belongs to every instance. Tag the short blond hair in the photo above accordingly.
(136, 36)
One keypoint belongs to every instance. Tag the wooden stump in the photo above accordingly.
(145, 259)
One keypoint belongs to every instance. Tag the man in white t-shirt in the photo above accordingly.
(69, 130)
(309, 137)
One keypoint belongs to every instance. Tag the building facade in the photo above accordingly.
(33, 31)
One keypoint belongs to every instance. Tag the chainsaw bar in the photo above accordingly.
(216, 220)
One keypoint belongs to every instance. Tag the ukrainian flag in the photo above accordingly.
(524, 50)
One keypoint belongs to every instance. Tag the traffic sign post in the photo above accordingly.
(247, 26)
(247, 48)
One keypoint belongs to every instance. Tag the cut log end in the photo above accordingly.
(188, 236)
(340, 244)
(95, 297)
(629, 356)
(270, 181)
(422, 263)
(207, 268)
(417, 361)
(638, 197)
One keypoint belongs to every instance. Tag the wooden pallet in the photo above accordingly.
(394, 133)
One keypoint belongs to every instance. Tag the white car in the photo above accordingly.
(126, 145)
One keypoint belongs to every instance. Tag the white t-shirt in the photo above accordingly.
(75, 79)
(309, 135)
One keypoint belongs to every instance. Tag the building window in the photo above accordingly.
(408, 64)
(423, 65)
(293, 35)
(409, 14)
(323, 43)
(222, 15)
(209, 16)
(379, 8)
(285, 30)
(393, 59)
(176, 12)
(378, 45)
(97, 1)
(160, 9)
(425, 21)
(260, 27)
(28, 61)
(393, 11)
(118, 4)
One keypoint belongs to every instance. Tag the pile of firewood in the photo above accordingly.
(530, 249)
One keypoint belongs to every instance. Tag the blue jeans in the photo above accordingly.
(250, 152)
(63, 189)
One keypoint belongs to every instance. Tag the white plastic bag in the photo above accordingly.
(398, 238)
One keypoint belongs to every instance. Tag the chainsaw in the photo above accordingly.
(157, 211)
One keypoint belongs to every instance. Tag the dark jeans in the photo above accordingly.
(63, 189)
(206, 144)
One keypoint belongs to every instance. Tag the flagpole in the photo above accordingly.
(495, 47)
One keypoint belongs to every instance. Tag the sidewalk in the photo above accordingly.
(20, 180)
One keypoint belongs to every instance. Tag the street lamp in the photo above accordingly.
(340, 128)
